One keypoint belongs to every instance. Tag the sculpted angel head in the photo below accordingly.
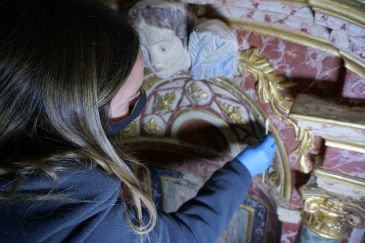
(162, 27)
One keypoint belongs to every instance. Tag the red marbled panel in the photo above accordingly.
(345, 161)
(293, 60)
(289, 232)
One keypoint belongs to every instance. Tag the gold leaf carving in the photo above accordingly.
(164, 102)
(269, 87)
(149, 79)
(330, 216)
(196, 93)
(233, 113)
(152, 127)
(130, 130)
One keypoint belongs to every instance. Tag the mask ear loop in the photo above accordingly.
(138, 104)
(141, 92)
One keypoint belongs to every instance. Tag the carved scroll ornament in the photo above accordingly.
(269, 88)
(329, 216)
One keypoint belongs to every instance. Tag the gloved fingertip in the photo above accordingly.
(269, 141)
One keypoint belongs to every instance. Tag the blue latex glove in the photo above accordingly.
(259, 157)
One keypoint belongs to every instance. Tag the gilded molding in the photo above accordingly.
(327, 121)
(280, 177)
(341, 178)
(329, 216)
(303, 39)
(251, 217)
(352, 11)
(353, 146)
(269, 88)
(289, 35)
(353, 64)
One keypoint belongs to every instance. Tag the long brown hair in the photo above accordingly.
(61, 63)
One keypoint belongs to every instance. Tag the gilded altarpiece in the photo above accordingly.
(289, 60)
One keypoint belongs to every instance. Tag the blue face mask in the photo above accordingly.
(116, 127)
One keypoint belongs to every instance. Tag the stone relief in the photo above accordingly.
(213, 49)
(162, 27)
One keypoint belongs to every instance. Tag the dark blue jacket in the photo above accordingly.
(92, 212)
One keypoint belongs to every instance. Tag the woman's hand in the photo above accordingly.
(259, 157)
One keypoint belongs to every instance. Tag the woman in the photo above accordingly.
(70, 78)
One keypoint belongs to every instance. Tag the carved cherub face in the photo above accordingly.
(163, 50)
(162, 29)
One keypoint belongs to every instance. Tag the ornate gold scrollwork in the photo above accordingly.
(269, 88)
(329, 216)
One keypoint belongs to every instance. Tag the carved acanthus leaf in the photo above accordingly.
(269, 88)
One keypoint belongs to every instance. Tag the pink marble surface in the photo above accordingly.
(354, 86)
(335, 23)
(283, 20)
(292, 60)
(345, 36)
(289, 232)
(337, 132)
(345, 162)
(293, 9)
(352, 45)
